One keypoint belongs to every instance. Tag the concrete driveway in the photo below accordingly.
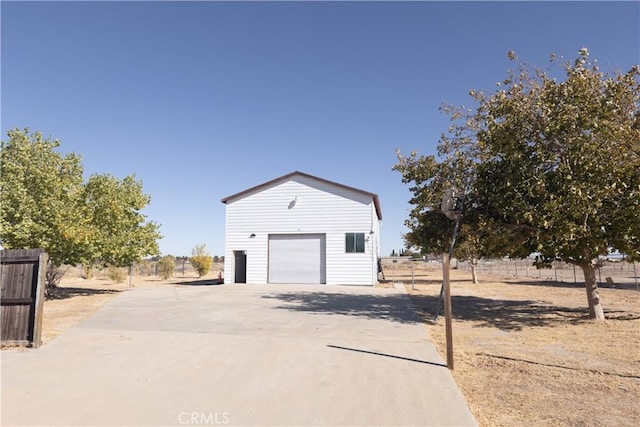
(237, 355)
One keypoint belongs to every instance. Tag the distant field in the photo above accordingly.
(621, 273)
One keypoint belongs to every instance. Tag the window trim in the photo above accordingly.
(353, 242)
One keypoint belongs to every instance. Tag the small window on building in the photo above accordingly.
(354, 243)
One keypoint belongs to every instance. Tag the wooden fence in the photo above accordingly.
(22, 281)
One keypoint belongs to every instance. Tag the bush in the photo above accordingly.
(87, 271)
(144, 268)
(202, 264)
(201, 260)
(166, 265)
(116, 274)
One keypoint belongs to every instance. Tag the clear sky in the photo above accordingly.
(201, 100)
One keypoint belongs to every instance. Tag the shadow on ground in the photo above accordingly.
(203, 282)
(510, 315)
(557, 284)
(507, 315)
(64, 293)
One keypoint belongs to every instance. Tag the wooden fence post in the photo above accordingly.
(22, 285)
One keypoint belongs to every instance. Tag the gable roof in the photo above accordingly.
(286, 177)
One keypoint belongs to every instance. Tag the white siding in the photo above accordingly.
(303, 205)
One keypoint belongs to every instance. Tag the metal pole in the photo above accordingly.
(412, 276)
(393, 272)
(599, 275)
(635, 275)
(574, 274)
(130, 268)
(447, 309)
(440, 300)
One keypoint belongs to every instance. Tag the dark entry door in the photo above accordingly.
(241, 266)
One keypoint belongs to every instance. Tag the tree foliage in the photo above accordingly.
(430, 229)
(201, 260)
(39, 196)
(46, 204)
(563, 160)
(555, 165)
(166, 266)
(562, 164)
(120, 235)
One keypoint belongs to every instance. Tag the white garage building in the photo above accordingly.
(302, 229)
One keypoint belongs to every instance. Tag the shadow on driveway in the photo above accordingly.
(204, 282)
(375, 353)
(504, 314)
(393, 307)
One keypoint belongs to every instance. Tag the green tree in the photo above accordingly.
(554, 167)
(201, 260)
(166, 266)
(431, 230)
(46, 204)
(120, 233)
(561, 164)
(39, 190)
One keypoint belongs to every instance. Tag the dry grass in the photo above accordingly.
(527, 354)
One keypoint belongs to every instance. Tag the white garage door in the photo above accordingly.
(297, 258)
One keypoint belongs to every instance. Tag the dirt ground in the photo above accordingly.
(525, 352)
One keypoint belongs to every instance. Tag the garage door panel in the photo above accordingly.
(297, 258)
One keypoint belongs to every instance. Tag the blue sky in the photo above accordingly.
(201, 100)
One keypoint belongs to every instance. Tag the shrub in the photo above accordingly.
(166, 265)
(144, 268)
(116, 274)
(87, 271)
(201, 260)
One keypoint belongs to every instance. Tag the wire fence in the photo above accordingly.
(609, 274)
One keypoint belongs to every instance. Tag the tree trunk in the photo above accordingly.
(474, 275)
(52, 278)
(87, 271)
(591, 285)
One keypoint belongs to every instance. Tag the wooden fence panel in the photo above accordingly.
(22, 276)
